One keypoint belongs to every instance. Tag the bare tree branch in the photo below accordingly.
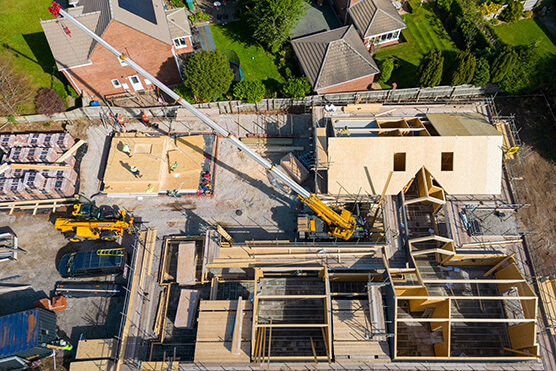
(15, 88)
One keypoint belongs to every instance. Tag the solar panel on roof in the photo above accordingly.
(141, 8)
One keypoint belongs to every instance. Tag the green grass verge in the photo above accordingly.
(424, 32)
(256, 63)
(22, 37)
(526, 32)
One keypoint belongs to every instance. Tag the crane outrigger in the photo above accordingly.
(341, 223)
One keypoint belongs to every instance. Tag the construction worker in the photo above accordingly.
(145, 118)
(120, 119)
(126, 149)
(135, 171)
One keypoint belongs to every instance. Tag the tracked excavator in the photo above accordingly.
(340, 223)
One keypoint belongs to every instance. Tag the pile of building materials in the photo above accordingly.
(94, 355)
(34, 166)
(8, 247)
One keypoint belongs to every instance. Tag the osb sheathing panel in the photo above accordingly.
(522, 335)
(218, 351)
(153, 157)
(477, 163)
(148, 155)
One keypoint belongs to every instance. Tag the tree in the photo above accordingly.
(430, 69)
(469, 31)
(386, 69)
(296, 87)
(445, 5)
(15, 88)
(271, 21)
(464, 68)
(48, 102)
(526, 73)
(502, 64)
(513, 11)
(482, 73)
(208, 75)
(251, 91)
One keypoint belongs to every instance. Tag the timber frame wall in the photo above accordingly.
(409, 285)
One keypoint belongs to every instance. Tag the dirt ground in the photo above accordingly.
(538, 187)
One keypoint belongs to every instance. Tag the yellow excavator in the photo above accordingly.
(340, 223)
(80, 229)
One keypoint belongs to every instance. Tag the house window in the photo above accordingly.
(399, 161)
(179, 42)
(447, 161)
(116, 83)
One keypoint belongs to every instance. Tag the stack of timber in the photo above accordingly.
(352, 333)
(37, 166)
(217, 331)
(97, 354)
(294, 168)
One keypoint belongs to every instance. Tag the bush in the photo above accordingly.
(503, 63)
(199, 16)
(464, 68)
(296, 87)
(177, 3)
(251, 91)
(48, 102)
(59, 87)
(72, 92)
(386, 69)
(414, 5)
(445, 5)
(208, 75)
(513, 11)
(430, 69)
(482, 73)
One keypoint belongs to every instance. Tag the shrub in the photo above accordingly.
(251, 91)
(296, 87)
(59, 87)
(513, 11)
(489, 8)
(430, 69)
(502, 64)
(482, 73)
(177, 3)
(199, 16)
(72, 92)
(464, 68)
(414, 5)
(48, 102)
(386, 69)
(208, 75)
(445, 5)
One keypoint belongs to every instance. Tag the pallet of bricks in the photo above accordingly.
(41, 149)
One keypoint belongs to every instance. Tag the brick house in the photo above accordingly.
(377, 21)
(151, 36)
(335, 61)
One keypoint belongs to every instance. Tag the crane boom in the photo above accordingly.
(342, 224)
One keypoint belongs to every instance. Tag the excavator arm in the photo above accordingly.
(341, 222)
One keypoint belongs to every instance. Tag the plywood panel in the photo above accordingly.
(351, 325)
(186, 263)
(185, 160)
(96, 348)
(219, 326)
(100, 365)
(217, 352)
(361, 350)
(187, 307)
(223, 305)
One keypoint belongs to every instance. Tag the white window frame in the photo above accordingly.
(122, 62)
(178, 42)
(116, 84)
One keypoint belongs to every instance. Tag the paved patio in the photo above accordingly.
(218, 14)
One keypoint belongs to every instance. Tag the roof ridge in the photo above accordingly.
(367, 30)
(297, 39)
(319, 74)
(392, 17)
(359, 54)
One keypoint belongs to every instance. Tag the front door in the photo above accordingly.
(136, 83)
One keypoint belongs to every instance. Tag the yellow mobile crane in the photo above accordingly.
(341, 223)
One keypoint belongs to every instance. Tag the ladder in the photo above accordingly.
(111, 252)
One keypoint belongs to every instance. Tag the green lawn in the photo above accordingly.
(21, 36)
(256, 64)
(525, 32)
(424, 32)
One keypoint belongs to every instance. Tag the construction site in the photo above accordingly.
(349, 236)
(243, 274)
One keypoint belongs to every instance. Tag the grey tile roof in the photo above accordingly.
(332, 57)
(373, 17)
(147, 16)
(178, 22)
(74, 50)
